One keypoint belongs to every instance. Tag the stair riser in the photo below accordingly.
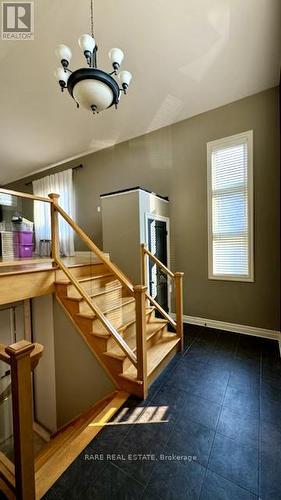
(85, 324)
(124, 364)
(156, 337)
(94, 286)
(104, 301)
(118, 365)
(163, 364)
(100, 342)
(115, 317)
(61, 290)
(83, 271)
(151, 316)
(131, 330)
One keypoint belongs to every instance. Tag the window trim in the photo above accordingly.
(233, 139)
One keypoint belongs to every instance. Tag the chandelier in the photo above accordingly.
(90, 87)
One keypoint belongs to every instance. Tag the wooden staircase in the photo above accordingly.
(117, 320)
(119, 307)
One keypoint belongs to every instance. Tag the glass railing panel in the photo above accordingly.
(6, 412)
(25, 230)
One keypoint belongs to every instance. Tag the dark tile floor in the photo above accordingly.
(210, 429)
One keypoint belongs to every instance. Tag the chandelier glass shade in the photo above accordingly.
(90, 87)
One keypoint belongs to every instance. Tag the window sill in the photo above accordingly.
(241, 279)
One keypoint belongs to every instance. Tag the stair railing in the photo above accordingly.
(18, 479)
(55, 210)
(177, 278)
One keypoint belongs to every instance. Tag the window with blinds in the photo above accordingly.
(230, 207)
(7, 200)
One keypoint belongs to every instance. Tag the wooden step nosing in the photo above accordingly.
(133, 380)
(112, 354)
(174, 343)
(152, 334)
(122, 356)
(108, 311)
(125, 303)
(84, 279)
(103, 292)
(100, 335)
(121, 329)
(92, 295)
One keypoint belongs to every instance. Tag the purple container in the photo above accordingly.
(23, 237)
(23, 251)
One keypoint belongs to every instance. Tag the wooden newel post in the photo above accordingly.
(140, 298)
(143, 264)
(22, 418)
(54, 225)
(179, 306)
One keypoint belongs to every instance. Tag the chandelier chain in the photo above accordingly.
(92, 18)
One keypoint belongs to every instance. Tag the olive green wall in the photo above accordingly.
(80, 379)
(172, 161)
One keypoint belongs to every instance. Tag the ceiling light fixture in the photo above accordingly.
(91, 87)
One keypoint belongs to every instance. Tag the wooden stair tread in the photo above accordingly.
(83, 279)
(151, 329)
(100, 291)
(123, 301)
(127, 320)
(155, 354)
(130, 318)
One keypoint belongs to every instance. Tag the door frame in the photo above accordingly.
(149, 215)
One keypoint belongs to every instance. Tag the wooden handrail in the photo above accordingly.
(162, 311)
(158, 262)
(115, 270)
(96, 310)
(29, 196)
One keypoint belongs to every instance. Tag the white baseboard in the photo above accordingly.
(234, 327)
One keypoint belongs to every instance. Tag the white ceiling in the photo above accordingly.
(186, 56)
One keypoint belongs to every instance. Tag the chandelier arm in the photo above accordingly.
(94, 58)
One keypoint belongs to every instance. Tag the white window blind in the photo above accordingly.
(230, 207)
(7, 200)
